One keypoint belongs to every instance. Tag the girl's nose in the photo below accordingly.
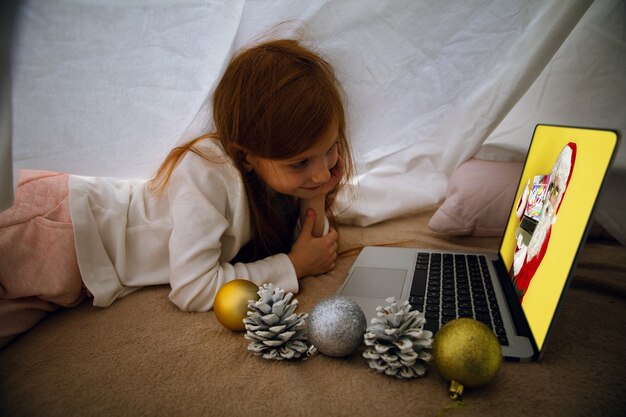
(321, 173)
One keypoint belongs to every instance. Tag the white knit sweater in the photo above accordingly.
(126, 238)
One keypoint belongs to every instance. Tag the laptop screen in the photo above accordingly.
(560, 182)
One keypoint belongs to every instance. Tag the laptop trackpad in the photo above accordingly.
(375, 283)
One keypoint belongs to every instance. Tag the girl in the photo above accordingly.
(223, 206)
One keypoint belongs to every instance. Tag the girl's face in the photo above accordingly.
(304, 175)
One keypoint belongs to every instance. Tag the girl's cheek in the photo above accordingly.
(295, 181)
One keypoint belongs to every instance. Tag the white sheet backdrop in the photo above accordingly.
(106, 87)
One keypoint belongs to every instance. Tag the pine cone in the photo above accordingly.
(396, 341)
(274, 330)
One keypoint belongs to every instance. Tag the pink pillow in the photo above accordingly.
(478, 200)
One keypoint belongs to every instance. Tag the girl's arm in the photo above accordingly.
(202, 238)
(210, 223)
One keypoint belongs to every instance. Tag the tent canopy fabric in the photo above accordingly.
(106, 88)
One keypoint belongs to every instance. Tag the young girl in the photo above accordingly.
(250, 200)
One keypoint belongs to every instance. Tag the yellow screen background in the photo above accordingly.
(594, 149)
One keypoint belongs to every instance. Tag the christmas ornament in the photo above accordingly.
(336, 326)
(397, 343)
(231, 303)
(274, 329)
(467, 353)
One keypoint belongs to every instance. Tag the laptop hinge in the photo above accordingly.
(515, 308)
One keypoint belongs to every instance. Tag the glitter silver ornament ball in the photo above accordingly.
(336, 326)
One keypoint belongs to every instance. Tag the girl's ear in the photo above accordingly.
(245, 161)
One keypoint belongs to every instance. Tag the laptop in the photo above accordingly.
(517, 291)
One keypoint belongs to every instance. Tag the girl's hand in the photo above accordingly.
(312, 255)
(336, 173)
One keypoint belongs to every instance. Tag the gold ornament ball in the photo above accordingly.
(466, 352)
(231, 303)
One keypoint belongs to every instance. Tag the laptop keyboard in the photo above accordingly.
(448, 286)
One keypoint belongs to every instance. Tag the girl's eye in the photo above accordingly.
(300, 164)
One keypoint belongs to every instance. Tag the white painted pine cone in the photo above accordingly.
(273, 328)
(397, 344)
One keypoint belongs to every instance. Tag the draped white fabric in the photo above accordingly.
(107, 87)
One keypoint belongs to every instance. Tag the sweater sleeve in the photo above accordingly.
(206, 233)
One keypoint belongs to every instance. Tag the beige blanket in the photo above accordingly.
(142, 356)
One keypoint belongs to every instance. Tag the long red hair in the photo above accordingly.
(274, 101)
